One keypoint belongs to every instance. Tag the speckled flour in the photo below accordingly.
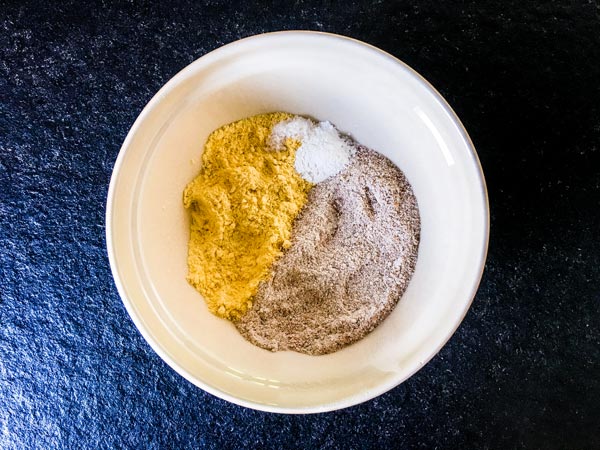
(353, 252)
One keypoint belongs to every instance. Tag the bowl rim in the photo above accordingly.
(348, 401)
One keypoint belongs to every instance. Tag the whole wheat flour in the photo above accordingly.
(354, 249)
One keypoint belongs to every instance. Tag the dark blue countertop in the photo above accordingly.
(522, 371)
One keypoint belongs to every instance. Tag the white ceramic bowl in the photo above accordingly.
(366, 93)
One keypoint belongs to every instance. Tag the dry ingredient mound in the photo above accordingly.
(242, 207)
(354, 249)
(323, 152)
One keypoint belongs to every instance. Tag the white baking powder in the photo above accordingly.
(323, 151)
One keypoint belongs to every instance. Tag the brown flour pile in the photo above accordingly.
(353, 253)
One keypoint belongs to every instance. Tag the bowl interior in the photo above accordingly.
(365, 93)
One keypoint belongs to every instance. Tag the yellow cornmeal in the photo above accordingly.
(242, 205)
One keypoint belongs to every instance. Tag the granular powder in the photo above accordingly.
(354, 249)
(323, 152)
(242, 206)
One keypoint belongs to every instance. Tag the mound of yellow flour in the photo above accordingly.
(242, 207)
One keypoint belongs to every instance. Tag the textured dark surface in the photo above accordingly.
(523, 370)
